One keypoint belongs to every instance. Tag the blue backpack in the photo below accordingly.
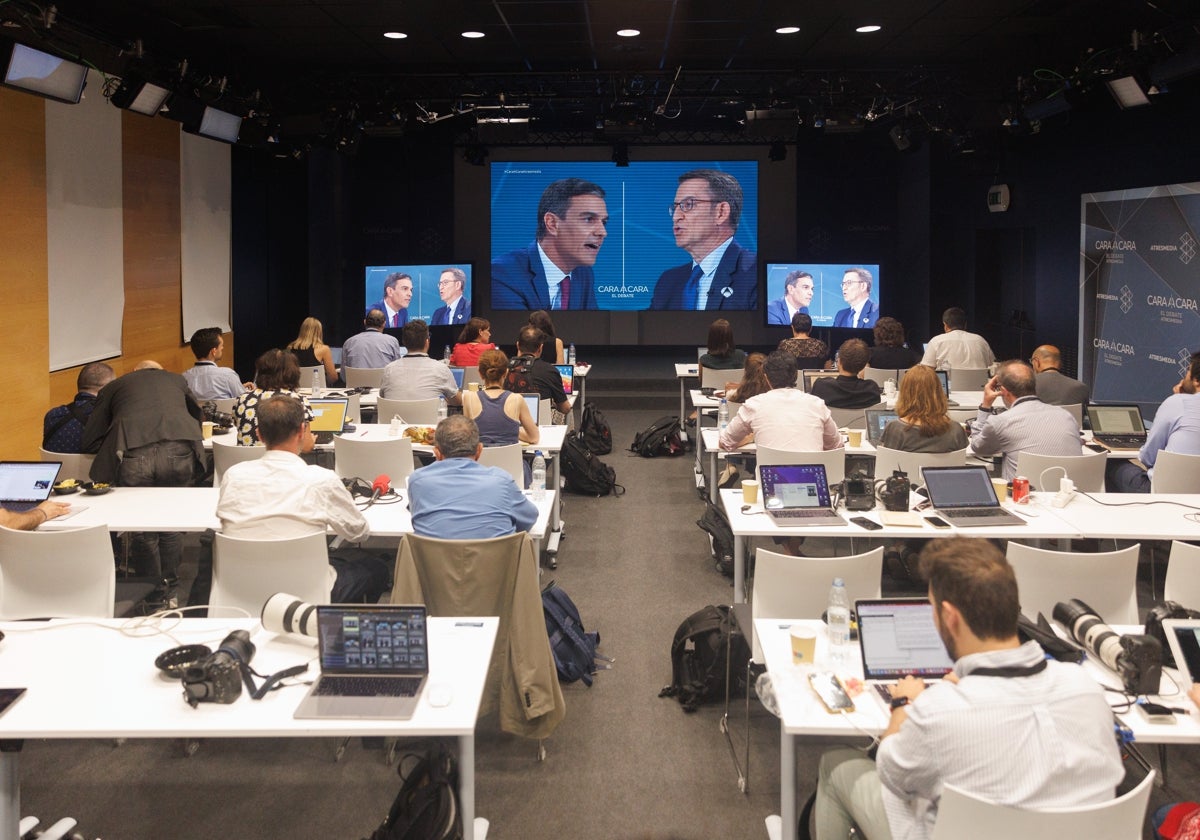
(574, 649)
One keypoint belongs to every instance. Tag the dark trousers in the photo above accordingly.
(169, 463)
(1122, 476)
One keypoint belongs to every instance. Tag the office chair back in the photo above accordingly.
(365, 459)
(1175, 472)
(246, 572)
(423, 412)
(834, 460)
(1045, 472)
(507, 458)
(57, 574)
(75, 465)
(1105, 581)
(225, 455)
(362, 377)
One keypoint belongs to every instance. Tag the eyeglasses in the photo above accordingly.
(446, 283)
(688, 204)
(850, 282)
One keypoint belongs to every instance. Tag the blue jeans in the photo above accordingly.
(1122, 476)
(169, 463)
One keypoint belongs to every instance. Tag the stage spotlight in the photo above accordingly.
(137, 95)
(34, 71)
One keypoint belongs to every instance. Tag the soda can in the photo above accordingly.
(1020, 490)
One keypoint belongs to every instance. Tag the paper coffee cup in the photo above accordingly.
(207, 429)
(472, 386)
(855, 436)
(804, 645)
(750, 491)
(1001, 488)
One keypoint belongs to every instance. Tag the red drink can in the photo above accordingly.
(1020, 490)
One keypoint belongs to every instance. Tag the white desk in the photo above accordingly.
(126, 697)
(581, 373)
(1159, 516)
(683, 373)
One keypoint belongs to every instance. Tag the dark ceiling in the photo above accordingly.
(322, 68)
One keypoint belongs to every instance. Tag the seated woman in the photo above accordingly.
(754, 381)
(811, 353)
(275, 372)
(502, 416)
(311, 350)
(552, 350)
(721, 355)
(923, 424)
(473, 342)
(889, 351)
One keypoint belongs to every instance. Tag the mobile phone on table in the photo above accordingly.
(1156, 713)
(863, 522)
(8, 696)
(937, 522)
(831, 691)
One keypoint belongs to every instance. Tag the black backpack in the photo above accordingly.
(584, 473)
(594, 430)
(520, 378)
(662, 438)
(573, 647)
(715, 523)
(426, 808)
(698, 655)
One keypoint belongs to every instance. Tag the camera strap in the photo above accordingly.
(272, 682)
(1027, 671)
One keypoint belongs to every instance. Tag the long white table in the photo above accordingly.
(683, 373)
(126, 697)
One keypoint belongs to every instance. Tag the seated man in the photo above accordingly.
(527, 372)
(956, 348)
(457, 498)
(1176, 428)
(785, 417)
(62, 429)
(371, 348)
(279, 496)
(415, 376)
(1006, 725)
(847, 390)
(207, 381)
(1029, 425)
(1052, 385)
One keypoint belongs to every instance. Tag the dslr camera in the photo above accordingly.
(215, 416)
(893, 491)
(218, 679)
(1137, 659)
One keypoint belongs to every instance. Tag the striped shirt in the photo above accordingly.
(1028, 426)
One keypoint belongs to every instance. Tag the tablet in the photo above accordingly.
(1183, 637)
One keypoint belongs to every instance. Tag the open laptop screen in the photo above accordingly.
(328, 415)
(532, 401)
(458, 373)
(944, 380)
(897, 636)
(811, 376)
(959, 487)
(877, 420)
(27, 481)
(567, 372)
(794, 486)
(376, 639)
(1116, 419)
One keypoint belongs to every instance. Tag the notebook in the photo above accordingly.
(329, 417)
(26, 484)
(1117, 426)
(896, 638)
(944, 378)
(811, 376)
(374, 661)
(567, 372)
(458, 374)
(964, 497)
(797, 495)
(877, 420)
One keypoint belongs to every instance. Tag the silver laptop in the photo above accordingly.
(374, 661)
(533, 401)
(797, 495)
(897, 638)
(458, 374)
(26, 484)
(877, 420)
(1117, 426)
(944, 378)
(329, 417)
(811, 376)
(964, 497)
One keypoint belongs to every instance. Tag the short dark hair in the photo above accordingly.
(556, 198)
(94, 375)
(416, 336)
(974, 576)
(723, 186)
(276, 369)
(720, 338)
(375, 319)
(473, 328)
(794, 278)
(889, 332)
(205, 340)
(853, 355)
(1018, 377)
(278, 418)
(540, 318)
(529, 339)
(955, 318)
(801, 322)
(780, 369)
(394, 278)
(457, 437)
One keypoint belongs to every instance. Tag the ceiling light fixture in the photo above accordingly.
(472, 34)
(395, 36)
(629, 33)
(870, 27)
(787, 30)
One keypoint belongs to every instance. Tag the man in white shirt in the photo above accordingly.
(205, 380)
(784, 417)
(416, 376)
(371, 348)
(279, 496)
(956, 348)
(1006, 724)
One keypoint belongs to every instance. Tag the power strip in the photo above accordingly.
(1066, 492)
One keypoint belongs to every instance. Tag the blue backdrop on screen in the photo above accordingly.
(640, 243)
(827, 298)
(1139, 288)
(426, 300)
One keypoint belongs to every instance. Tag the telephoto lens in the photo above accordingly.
(284, 613)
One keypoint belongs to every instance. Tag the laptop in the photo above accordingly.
(374, 661)
(1117, 426)
(897, 638)
(811, 376)
(944, 378)
(964, 497)
(533, 400)
(26, 484)
(567, 372)
(1183, 640)
(877, 420)
(329, 417)
(458, 373)
(797, 495)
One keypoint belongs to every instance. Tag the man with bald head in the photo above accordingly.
(1052, 386)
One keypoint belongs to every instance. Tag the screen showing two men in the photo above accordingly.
(438, 294)
(832, 294)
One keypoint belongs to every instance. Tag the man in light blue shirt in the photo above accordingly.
(371, 348)
(1176, 428)
(457, 498)
(205, 380)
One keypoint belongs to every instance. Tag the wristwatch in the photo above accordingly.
(899, 703)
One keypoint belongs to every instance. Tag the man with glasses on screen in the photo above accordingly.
(455, 308)
(397, 295)
(797, 295)
(856, 290)
(555, 271)
(704, 218)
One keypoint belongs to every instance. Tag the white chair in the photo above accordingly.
(248, 572)
(507, 458)
(410, 411)
(224, 404)
(362, 377)
(545, 412)
(471, 374)
(75, 465)
(716, 378)
(793, 587)
(1183, 575)
(57, 574)
(1046, 471)
(365, 459)
(225, 455)
(833, 459)
(1105, 581)
(880, 376)
(888, 461)
(1076, 411)
(961, 814)
(851, 418)
(968, 379)
(1175, 472)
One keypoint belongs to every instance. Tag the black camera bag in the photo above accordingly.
(426, 808)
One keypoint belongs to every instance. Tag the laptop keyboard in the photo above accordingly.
(968, 514)
(334, 686)
(1122, 441)
(800, 514)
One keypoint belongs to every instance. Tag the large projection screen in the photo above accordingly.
(1139, 285)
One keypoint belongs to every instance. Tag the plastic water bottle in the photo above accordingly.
(539, 476)
(722, 415)
(442, 409)
(446, 354)
(837, 619)
(394, 429)
(571, 354)
(316, 382)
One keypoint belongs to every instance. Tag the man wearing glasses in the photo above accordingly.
(856, 290)
(455, 309)
(704, 218)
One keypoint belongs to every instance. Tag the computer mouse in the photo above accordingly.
(440, 695)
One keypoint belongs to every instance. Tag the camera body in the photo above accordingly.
(218, 679)
(894, 492)
(217, 418)
(858, 492)
(1136, 658)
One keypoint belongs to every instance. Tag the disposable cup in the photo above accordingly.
(855, 436)
(207, 429)
(750, 491)
(804, 645)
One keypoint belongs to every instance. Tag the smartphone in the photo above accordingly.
(937, 522)
(1155, 713)
(831, 691)
(863, 522)
(8, 696)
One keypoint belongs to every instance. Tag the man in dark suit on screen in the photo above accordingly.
(856, 289)
(797, 295)
(722, 274)
(397, 295)
(555, 271)
(455, 308)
